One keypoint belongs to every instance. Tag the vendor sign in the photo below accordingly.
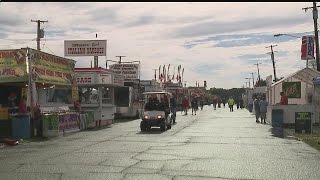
(129, 71)
(47, 68)
(292, 89)
(13, 66)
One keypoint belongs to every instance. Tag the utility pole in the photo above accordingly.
(40, 32)
(95, 58)
(252, 80)
(316, 35)
(120, 58)
(272, 58)
(258, 72)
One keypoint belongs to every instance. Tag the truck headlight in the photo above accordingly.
(146, 117)
(159, 117)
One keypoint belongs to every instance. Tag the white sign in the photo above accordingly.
(85, 78)
(129, 71)
(85, 47)
(118, 80)
(104, 79)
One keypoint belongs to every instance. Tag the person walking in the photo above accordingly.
(185, 105)
(173, 107)
(256, 105)
(263, 109)
(201, 103)
(194, 105)
(224, 102)
(231, 103)
(214, 103)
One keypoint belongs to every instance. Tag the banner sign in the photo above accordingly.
(13, 67)
(307, 48)
(49, 68)
(129, 71)
(292, 89)
(85, 47)
(69, 121)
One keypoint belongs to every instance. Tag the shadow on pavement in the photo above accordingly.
(277, 132)
(151, 131)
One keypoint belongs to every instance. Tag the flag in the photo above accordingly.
(168, 72)
(174, 72)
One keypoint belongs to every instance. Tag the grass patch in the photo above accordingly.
(311, 139)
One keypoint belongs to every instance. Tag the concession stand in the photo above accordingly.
(96, 94)
(46, 81)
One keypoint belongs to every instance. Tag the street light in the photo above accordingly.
(277, 35)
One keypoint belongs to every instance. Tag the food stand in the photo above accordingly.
(34, 75)
(96, 94)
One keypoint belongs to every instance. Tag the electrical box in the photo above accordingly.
(41, 33)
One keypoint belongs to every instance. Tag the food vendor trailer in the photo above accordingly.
(97, 93)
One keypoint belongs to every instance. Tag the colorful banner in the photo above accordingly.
(292, 89)
(52, 69)
(13, 66)
(69, 122)
(307, 48)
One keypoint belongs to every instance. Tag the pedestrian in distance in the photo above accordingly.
(231, 103)
(173, 107)
(185, 105)
(194, 105)
(256, 105)
(201, 103)
(263, 109)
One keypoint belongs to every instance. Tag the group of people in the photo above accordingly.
(194, 105)
(260, 106)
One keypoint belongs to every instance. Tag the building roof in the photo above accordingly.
(306, 75)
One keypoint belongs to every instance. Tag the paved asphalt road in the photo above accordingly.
(214, 144)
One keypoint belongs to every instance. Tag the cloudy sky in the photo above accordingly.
(216, 42)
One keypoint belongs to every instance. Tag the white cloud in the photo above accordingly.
(148, 32)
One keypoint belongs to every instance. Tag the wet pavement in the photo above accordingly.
(214, 144)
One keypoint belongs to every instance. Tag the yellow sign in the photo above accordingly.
(13, 66)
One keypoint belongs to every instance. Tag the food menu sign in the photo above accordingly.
(85, 47)
(50, 68)
(13, 67)
(129, 71)
(292, 89)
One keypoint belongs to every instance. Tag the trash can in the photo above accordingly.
(50, 125)
(5, 128)
(277, 118)
(21, 126)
